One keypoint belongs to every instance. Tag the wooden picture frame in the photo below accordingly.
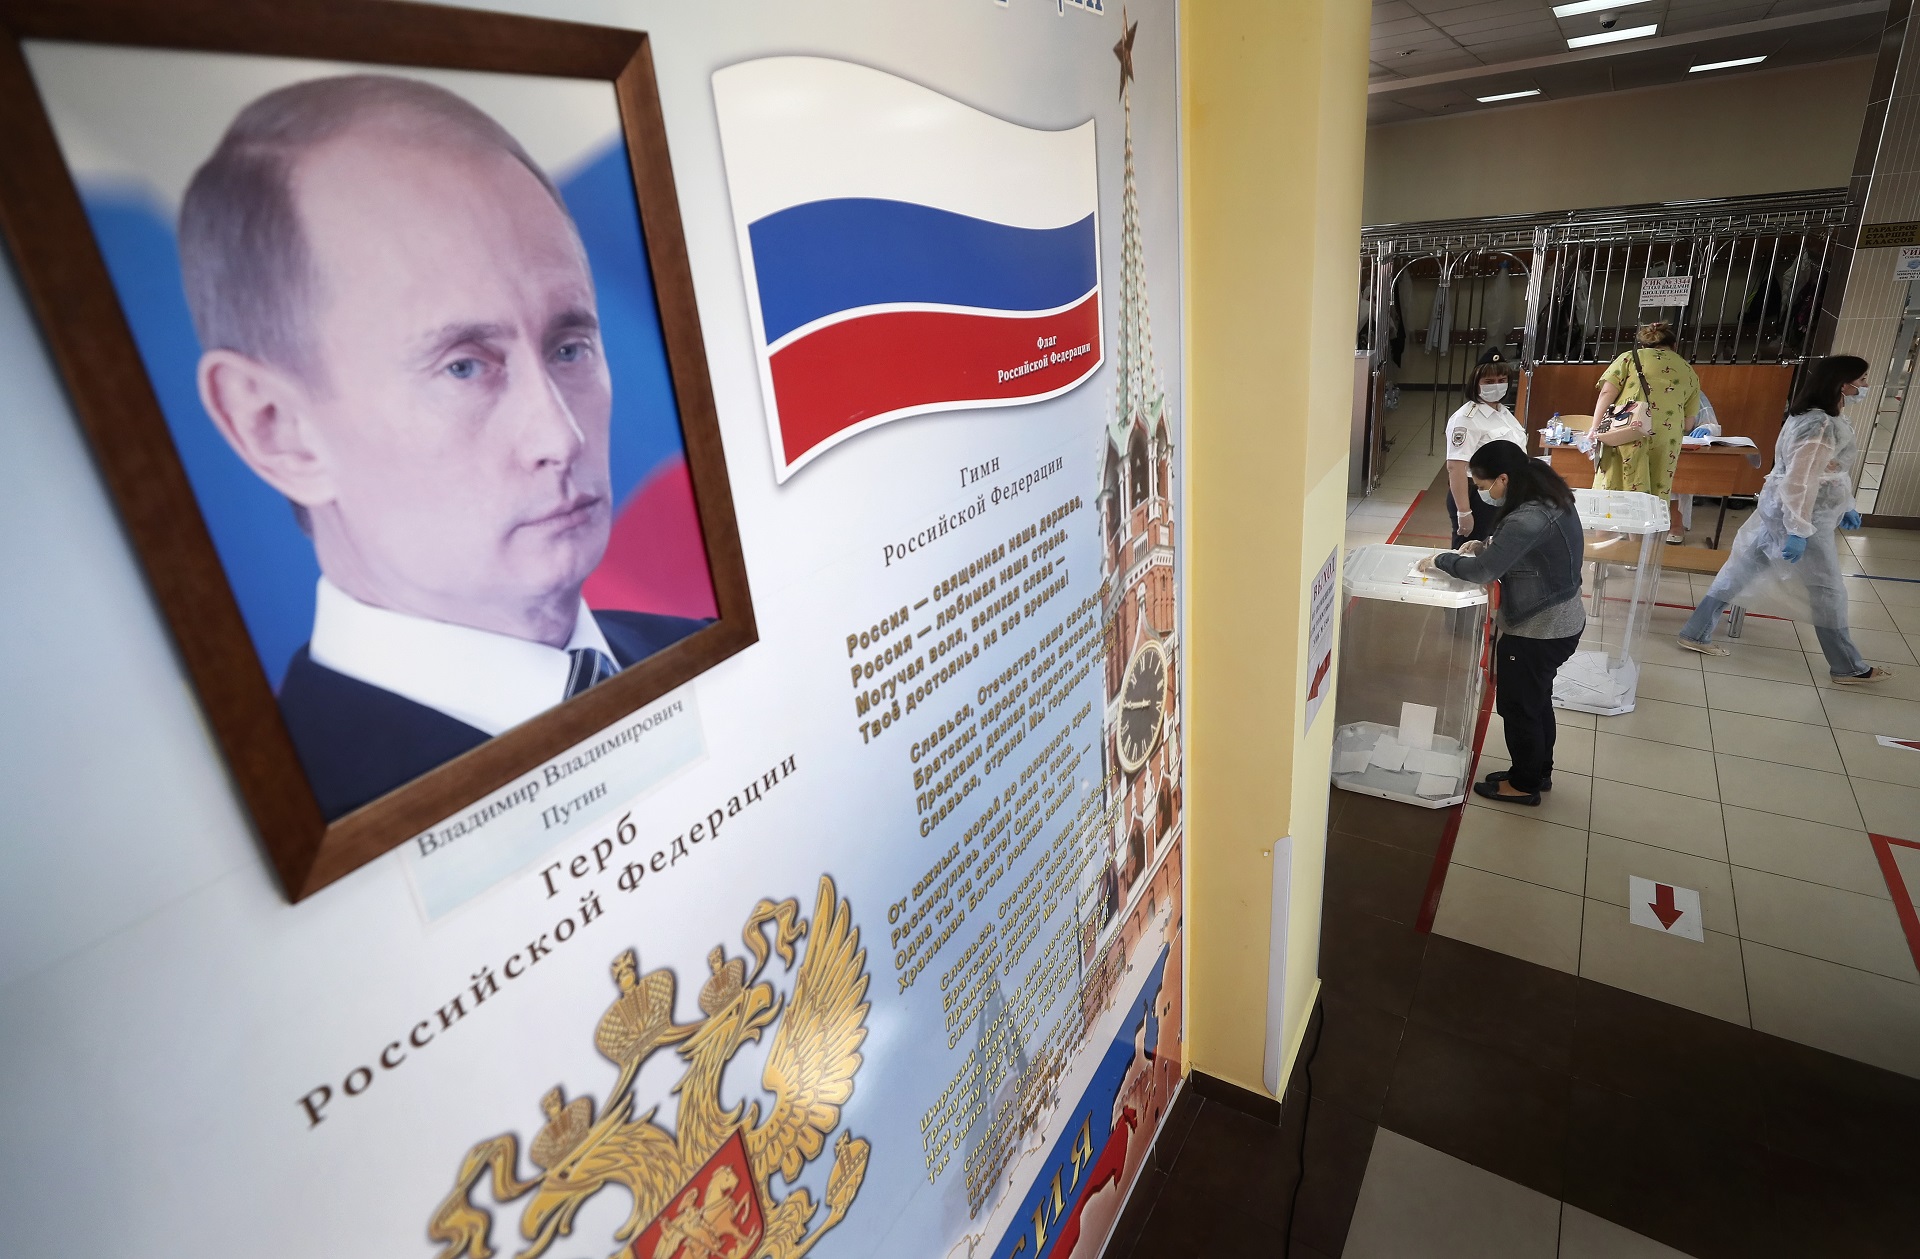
(67, 282)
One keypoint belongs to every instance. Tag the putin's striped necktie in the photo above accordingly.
(591, 667)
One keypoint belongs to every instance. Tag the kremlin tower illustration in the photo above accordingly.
(1141, 746)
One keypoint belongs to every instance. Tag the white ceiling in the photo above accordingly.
(1434, 57)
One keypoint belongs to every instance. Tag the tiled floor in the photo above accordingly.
(1753, 780)
(1750, 778)
(1409, 471)
(1416, 1200)
(1625, 1122)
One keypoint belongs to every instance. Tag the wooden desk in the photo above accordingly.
(1749, 399)
(1715, 471)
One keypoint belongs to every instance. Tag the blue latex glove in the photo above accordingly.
(1795, 548)
(1850, 521)
(1702, 431)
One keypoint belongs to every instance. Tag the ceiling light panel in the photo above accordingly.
(1592, 6)
(1727, 65)
(1507, 96)
(1614, 37)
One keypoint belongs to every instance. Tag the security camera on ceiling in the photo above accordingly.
(1609, 20)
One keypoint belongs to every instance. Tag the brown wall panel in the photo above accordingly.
(1749, 398)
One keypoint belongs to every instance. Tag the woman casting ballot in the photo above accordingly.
(1805, 498)
(1535, 555)
(1483, 419)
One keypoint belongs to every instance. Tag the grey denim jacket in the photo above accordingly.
(1534, 554)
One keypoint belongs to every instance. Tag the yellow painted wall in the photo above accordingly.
(1273, 139)
(1764, 131)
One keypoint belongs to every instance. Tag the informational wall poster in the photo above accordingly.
(869, 939)
(1326, 587)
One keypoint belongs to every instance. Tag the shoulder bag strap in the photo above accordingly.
(1646, 390)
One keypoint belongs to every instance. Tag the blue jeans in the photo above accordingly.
(1843, 658)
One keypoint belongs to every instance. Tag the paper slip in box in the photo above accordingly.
(1435, 785)
(1351, 761)
(1447, 763)
(1416, 725)
(1388, 754)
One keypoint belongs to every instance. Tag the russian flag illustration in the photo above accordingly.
(904, 253)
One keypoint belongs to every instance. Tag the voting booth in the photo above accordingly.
(1411, 652)
(1620, 582)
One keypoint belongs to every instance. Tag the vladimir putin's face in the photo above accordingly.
(453, 401)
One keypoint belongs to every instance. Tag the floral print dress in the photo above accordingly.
(1647, 465)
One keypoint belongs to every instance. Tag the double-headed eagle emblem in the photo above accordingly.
(705, 1189)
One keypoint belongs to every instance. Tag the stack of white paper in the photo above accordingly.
(1591, 681)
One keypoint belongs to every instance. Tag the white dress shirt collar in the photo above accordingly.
(492, 682)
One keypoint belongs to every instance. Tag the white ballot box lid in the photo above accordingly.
(1620, 511)
(1379, 571)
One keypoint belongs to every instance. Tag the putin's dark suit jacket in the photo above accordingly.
(358, 741)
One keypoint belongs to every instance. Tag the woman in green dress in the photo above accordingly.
(1672, 395)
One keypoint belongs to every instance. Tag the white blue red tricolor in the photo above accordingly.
(903, 252)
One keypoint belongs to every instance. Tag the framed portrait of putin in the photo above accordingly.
(379, 321)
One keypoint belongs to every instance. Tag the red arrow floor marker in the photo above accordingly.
(1668, 908)
(1663, 907)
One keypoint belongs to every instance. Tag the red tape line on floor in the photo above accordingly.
(1897, 886)
(1404, 519)
(1758, 616)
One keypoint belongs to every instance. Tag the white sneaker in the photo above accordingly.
(1705, 649)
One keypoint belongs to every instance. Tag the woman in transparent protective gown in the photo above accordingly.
(1807, 496)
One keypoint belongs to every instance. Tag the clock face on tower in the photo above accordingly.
(1143, 701)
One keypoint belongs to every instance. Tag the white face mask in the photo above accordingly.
(1493, 393)
(1848, 399)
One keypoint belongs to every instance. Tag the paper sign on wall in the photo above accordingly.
(1320, 635)
(1666, 290)
(1907, 262)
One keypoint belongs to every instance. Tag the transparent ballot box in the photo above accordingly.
(1618, 584)
(1410, 676)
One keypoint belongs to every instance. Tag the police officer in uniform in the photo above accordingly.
(1483, 418)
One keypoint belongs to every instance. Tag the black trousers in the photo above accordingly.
(1523, 696)
(1483, 515)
